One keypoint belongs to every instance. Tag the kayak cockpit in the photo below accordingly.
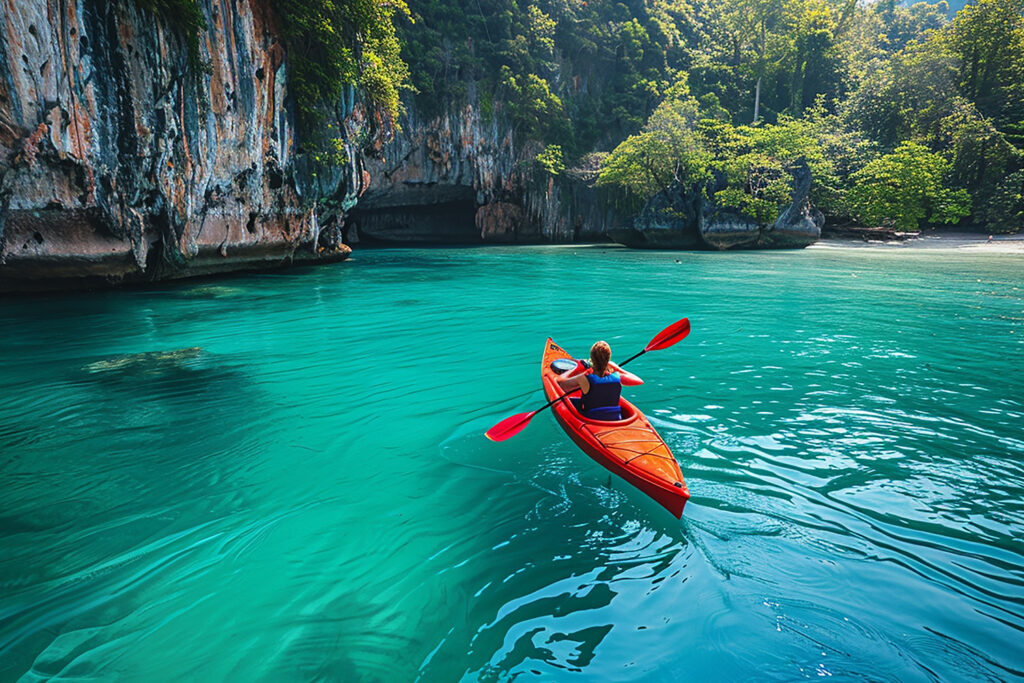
(626, 409)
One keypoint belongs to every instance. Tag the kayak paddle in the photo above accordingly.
(511, 426)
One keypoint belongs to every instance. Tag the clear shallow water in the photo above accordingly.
(309, 496)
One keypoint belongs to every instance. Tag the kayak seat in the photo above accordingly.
(606, 414)
(561, 365)
(565, 364)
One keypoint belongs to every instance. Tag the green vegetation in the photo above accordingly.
(1005, 209)
(905, 187)
(685, 91)
(668, 149)
(334, 44)
(550, 159)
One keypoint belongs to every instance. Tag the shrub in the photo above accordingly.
(905, 187)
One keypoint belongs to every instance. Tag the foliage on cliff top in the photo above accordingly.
(609, 62)
(550, 160)
(332, 44)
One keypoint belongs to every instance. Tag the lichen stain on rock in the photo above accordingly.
(133, 167)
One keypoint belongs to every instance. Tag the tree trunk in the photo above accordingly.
(796, 94)
(762, 48)
(757, 99)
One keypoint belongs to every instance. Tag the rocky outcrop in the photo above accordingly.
(462, 177)
(121, 162)
(687, 217)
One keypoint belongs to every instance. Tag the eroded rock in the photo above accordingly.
(687, 217)
(119, 162)
(460, 158)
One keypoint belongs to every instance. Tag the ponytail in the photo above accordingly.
(600, 355)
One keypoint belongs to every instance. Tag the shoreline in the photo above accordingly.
(933, 240)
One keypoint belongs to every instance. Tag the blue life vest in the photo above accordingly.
(602, 401)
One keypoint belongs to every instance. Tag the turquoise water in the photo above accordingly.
(308, 494)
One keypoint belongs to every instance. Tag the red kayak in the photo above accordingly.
(628, 447)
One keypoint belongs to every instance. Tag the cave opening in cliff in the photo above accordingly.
(448, 222)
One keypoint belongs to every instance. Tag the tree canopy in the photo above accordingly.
(668, 91)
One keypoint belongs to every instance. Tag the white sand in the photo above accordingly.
(967, 241)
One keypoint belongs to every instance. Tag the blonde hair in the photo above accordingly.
(600, 355)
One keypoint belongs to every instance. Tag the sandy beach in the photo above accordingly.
(967, 241)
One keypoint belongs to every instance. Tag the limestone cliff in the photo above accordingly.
(462, 177)
(118, 162)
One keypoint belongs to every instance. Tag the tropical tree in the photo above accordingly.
(668, 150)
(751, 27)
(906, 187)
(908, 96)
(988, 37)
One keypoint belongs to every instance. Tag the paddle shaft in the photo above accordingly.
(633, 357)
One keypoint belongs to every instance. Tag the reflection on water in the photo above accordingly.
(283, 477)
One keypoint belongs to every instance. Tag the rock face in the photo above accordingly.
(119, 162)
(460, 177)
(685, 218)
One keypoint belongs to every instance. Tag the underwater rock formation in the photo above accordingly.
(146, 363)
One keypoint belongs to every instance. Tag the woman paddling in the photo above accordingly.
(601, 387)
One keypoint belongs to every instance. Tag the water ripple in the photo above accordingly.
(283, 476)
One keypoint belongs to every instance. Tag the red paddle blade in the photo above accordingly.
(675, 332)
(509, 427)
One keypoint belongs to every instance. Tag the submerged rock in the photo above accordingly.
(147, 363)
(211, 292)
(687, 217)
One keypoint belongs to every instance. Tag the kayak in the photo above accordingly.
(629, 447)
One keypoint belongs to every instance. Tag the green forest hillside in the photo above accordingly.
(905, 116)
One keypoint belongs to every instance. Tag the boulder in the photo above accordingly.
(687, 217)
(669, 220)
